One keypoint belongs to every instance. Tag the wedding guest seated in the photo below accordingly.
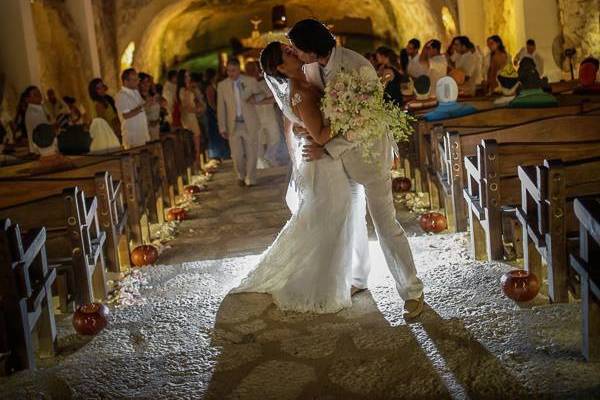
(531, 95)
(103, 137)
(50, 158)
(448, 106)
(423, 99)
(509, 83)
(74, 140)
(588, 72)
(34, 114)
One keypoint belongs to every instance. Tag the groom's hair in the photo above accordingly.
(311, 36)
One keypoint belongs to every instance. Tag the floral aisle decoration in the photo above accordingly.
(355, 107)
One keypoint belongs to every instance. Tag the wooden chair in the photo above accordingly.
(547, 218)
(75, 243)
(493, 184)
(586, 263)
(447, 168)
(112, 210)
(25, 298)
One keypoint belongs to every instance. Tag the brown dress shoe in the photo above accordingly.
(356, 290)
(413, 308)
(241, 183)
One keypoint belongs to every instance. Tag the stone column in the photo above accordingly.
(82, 13)
(471, 18)
(18, 47)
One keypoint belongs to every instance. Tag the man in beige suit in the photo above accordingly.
(238, 121)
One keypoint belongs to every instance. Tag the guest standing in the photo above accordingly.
(238, 121)
(34, 115)
(190, 107)
(104, 105)
(218, 147)
(130, 105)
(151, 105)
(468, 62)
(437, 63)
(530, 51)
(391, 74)
(498, 59)
(53, 107)
(168, 93)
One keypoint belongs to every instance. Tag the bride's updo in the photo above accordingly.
(270, 58)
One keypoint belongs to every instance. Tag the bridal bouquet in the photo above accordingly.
(355, 107)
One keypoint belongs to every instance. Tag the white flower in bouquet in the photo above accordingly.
(355, 107)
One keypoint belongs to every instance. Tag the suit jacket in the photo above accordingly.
(226, 110)
(341, 59)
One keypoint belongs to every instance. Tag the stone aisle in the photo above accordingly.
(186, 338)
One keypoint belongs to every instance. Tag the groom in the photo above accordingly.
(315, 45)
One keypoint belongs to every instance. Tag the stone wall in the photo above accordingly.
(106, 35)
(580, 20)
(62, 66)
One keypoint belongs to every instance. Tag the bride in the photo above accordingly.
(308, 268)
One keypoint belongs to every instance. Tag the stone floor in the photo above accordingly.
(188, 339)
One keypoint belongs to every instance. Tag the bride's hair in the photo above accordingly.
(270, 58)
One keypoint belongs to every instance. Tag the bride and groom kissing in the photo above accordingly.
(321, 256)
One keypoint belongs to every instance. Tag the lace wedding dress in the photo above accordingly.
(308, 268)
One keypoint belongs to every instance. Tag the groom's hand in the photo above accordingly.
(300, 130)
(312, 152)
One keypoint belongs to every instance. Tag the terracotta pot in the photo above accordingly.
(193, 190)
(176, 214)
(520, 285)
(433, 222)
(401, 184)
(90, 319)
(144, 255)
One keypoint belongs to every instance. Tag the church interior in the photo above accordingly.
(121, 244)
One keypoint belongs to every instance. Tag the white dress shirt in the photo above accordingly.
(438, 68)
(34, 116)
(135, 129)
(470, 65)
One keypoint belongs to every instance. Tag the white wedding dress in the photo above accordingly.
(308, 268)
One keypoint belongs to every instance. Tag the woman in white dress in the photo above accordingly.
(308, 268)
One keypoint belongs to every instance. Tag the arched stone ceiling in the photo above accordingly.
(164, 29)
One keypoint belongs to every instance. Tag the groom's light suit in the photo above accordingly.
(376, 180)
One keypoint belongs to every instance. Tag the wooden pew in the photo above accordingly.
(425, 147)
(447, 169)
(546, 215)
(493, 184)
(112, 211)
(122, 168)
(149, 163)
(586, 263)
(25, 298)
(75, 242)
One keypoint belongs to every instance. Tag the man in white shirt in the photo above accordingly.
(169, 90)
(530, 51)
(54, 106)
(34, 116)
(238, 121)
(417, 66)
(469, 63)
(438, 64)
(130, 106)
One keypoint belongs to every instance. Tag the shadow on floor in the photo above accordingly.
(354, 354)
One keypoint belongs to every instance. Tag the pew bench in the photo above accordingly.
(586, 263)
(26, 306)
(493, 185)
(112, 210)
(448, 172)
(547, 217)
(75, 243)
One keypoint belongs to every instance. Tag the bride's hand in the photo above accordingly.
(300, 130)
(312, 151)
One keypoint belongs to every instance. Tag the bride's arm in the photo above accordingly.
(310, 113)
(289, 136)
